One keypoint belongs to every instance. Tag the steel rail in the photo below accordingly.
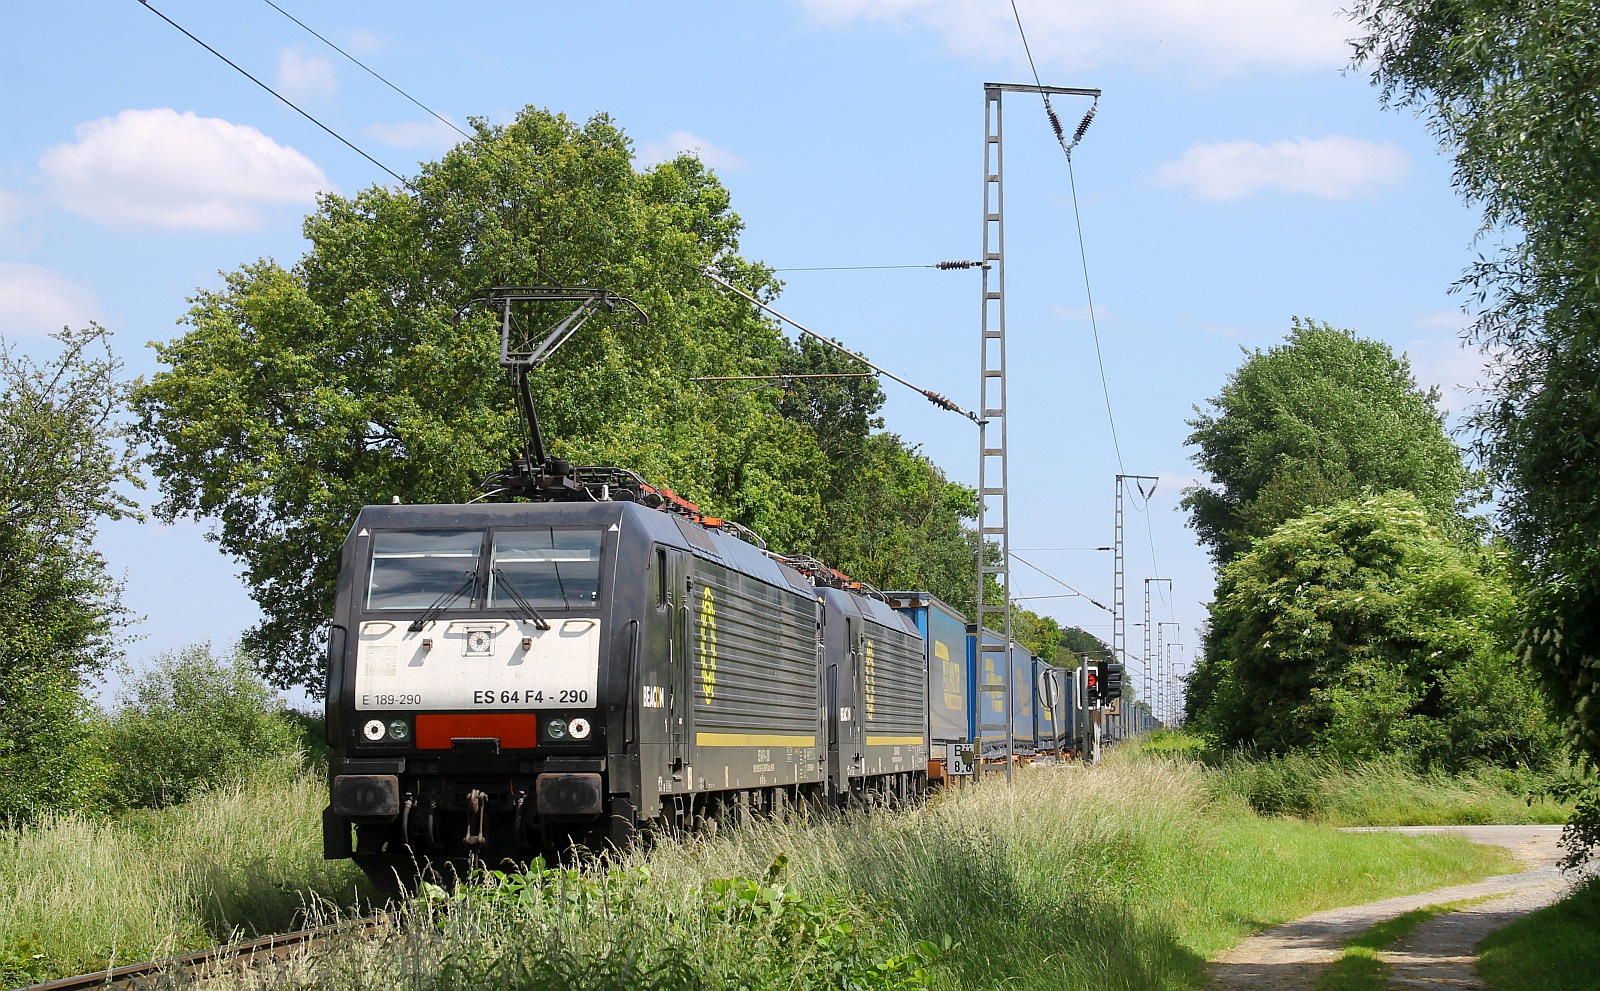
(189, 967)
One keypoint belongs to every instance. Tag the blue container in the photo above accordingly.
(944, 631)
(1022, 701)
(994, 668)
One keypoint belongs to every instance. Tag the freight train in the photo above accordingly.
(508, 679)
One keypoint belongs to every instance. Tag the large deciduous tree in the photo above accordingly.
(1361, 629)
(297, 395)
(1323, 417)
(63, 468)
(1512, 88)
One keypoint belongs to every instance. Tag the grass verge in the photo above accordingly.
(77, 894)
(1554, 949)
(1126, 876)
(1386, 792)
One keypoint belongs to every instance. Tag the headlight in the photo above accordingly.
(556, 729)
(579, 728)
(398, 730)
(374, 730)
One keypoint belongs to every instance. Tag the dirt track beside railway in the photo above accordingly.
(1440, 953)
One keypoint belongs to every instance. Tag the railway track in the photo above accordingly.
(254, 954)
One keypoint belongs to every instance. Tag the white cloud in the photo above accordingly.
(1220, 36)
(366, 42)
(159, 168)
(37, 301)
(1331, 168)
(303, 77)
(668, 148)
(429, 134)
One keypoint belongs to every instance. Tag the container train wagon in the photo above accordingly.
(507, 679)
(964, 716)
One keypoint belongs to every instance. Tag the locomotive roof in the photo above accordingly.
(661, 527)
(875, 609)
(923, 600)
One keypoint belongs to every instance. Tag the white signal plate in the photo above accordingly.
(478, 665)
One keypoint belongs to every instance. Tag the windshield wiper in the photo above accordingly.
(521, 601)
(432, 612)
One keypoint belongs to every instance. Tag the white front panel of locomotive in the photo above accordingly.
(478, 664)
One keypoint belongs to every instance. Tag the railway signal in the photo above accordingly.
(1111, 685)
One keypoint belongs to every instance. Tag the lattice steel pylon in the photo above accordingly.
(1119, 594)
(993, 521)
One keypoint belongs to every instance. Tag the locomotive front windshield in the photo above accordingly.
(555, 569)
(546, 567)
(418, 568)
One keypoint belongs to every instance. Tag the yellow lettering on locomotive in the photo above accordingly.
(708, 646)
(952, 676)
(871, 680)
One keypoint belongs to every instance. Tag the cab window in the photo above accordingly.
(550, 568)
(417, 569)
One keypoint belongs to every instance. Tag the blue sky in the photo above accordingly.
(1236, 175)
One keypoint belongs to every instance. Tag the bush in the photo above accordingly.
(1389, 791)
(1362, 630)
(48, 757)
(191, 722)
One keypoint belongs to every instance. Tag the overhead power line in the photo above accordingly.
(370, 71)
(928, 394)
(283, 99)
(1083, 254)
(1022, 560)
(941, 266)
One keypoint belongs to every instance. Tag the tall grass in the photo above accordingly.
(1385, 792)
(1126, 876)
(78, 894)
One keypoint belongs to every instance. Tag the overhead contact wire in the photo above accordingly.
(370, 71)
(1083, 256)
(283, 99)
(1016, 557)
(928, 394)
(1055, 123)
(941, 266)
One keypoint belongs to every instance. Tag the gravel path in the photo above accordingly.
(1437, 954)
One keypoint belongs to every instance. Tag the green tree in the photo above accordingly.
(298, 395)
(64, 467)
(1323, 417)
(193, 721)
(1512, 89)
(1362, 629)
(1075, 642)
(890, 517)
(894, 520)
